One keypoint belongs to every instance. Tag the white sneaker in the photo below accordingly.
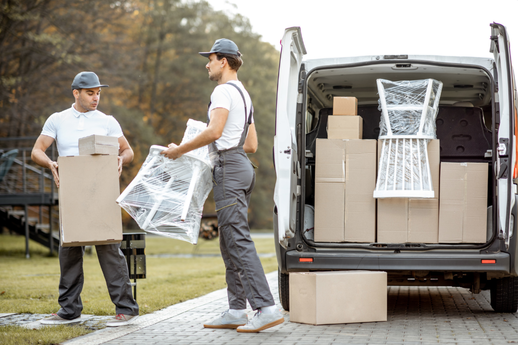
(121, 320)
(262, 321)
(227, 320)
(55, 319)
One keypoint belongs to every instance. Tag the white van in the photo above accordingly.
(478, 96)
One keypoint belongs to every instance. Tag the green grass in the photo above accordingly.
(31, 285)
(14, 335)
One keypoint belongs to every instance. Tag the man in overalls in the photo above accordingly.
(230, 135)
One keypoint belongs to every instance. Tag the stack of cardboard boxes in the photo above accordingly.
(345, 177)
(89, 186)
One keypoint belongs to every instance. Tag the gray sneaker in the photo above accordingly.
(227, 320)
(55, 319)
(121, 320)
(262, 321)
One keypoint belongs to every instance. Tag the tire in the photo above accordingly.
(284, 290)
(504, 295)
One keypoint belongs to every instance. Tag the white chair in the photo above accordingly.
(407, 124)
(167, 196)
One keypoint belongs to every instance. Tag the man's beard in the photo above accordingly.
(215, 77)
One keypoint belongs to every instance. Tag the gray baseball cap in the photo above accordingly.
(224, 46)
(86, 80)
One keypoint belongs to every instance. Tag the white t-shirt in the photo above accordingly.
(228, 97)
(68, 126)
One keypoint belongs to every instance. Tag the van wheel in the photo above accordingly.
(504, 295)
(284, 290)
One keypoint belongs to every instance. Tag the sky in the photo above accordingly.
(333, 28)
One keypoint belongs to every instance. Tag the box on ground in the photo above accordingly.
(319, 298)
(402, 220)
(345, 106)
(98, 145)
(344, 127)
(345, 177)
(463, 207)
(88, 213)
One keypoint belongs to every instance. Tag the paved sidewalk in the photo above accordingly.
(415, 316)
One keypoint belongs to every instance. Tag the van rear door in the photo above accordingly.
(287, 166)
(506, 145)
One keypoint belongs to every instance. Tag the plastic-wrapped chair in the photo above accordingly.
(167, 196)
(407, 124)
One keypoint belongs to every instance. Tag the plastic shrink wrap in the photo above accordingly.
(167, 196)
(410, 108)
(408, 112)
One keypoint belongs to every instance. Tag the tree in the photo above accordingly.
(147, 51)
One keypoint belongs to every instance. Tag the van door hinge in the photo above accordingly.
(502, 147)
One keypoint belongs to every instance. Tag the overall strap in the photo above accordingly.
(249, 120)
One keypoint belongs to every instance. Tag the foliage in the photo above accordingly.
(146, 50)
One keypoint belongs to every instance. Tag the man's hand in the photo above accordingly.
(53, 166)
(120, 160)
(173, 151)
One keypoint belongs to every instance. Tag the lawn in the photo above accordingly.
(31, 285)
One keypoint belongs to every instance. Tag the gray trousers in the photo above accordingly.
(234, 179)
(115, 270)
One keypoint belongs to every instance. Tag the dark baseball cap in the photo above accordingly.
(86, 80)
(223, 46)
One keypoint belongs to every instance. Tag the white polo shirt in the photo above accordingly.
(228, 97)
(68, 126)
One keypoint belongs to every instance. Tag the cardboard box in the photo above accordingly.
(345, 210)
(88, 213)
(345, 106)
(344, 127)
(463, 209)
(404, 220)
(320, 298)
(98, 145)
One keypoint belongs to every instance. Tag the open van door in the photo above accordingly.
(505, 160)
(285, 150)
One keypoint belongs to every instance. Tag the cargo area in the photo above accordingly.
(342, 154)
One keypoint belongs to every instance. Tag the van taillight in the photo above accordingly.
(305, 259)
(493, 261)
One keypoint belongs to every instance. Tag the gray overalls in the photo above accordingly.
(234, 179)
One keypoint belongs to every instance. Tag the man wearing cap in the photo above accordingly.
(230, 135)
(80, 120)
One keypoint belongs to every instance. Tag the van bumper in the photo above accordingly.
(441, 262)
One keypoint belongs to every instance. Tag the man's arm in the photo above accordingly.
(218, 119)
(125, 153)
(39, 156)
(251, 143)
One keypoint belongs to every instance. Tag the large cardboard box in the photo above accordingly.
(404, 220)
(345, 210)
(319, 298)
(463, 210)
(88, 213)
(344, 127)
(98, 145)
(345, 106)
